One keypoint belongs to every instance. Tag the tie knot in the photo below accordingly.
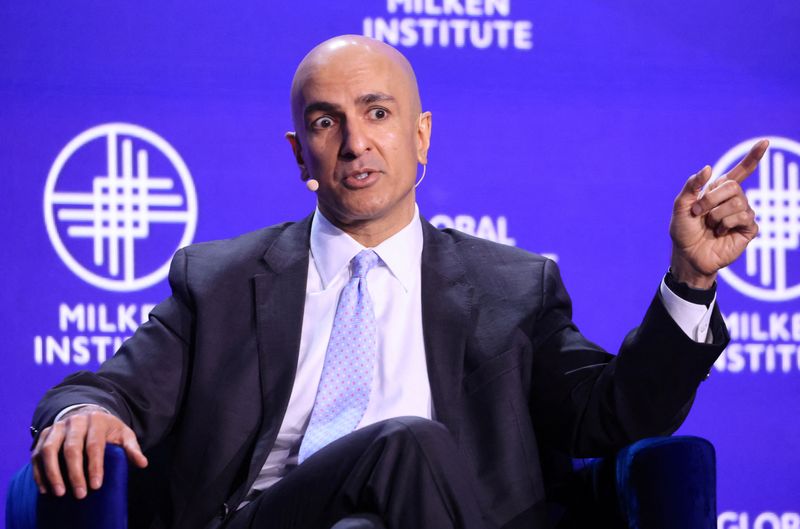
(363, 262)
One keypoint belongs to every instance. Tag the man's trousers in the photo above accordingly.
(404, 472)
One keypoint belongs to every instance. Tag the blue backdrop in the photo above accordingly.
(567, 129)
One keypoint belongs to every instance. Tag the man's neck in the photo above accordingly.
(371, 232)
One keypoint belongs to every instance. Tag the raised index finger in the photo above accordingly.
(749, 163)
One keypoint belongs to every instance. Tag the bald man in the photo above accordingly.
(459, 357)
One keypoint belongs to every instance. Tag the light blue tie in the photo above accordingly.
(344, 388)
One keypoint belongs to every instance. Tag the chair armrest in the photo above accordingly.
(106, 508)
(667, 482)
(655, 483)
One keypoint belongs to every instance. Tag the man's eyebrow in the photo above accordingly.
(320, 106)
(375, 97)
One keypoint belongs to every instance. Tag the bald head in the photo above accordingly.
(360, 134)
(357, 54)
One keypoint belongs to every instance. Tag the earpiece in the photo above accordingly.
(421, 178)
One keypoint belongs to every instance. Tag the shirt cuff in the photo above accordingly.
(68, 409)
(692, 318)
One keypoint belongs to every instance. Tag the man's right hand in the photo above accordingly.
(83, 430)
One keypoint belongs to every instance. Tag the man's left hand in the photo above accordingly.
(711, 227)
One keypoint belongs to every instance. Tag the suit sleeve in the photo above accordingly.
(592, 402)
(144, 382)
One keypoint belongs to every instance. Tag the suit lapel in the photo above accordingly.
(280, 299)
(446, 309)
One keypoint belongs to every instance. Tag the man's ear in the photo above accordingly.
(423, 137)
(298, 153)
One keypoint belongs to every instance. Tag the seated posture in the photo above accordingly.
(362, 361)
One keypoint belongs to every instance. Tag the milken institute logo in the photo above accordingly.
(118, 202)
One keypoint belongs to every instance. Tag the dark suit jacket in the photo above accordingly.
(213, 368)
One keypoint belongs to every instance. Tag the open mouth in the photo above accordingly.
(359, 180)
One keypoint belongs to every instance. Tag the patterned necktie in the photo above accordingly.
(344, 388)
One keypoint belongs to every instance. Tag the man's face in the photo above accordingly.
(358, 128)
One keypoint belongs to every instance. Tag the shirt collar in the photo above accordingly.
(332, 250)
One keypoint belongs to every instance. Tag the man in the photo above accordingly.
(362, 361)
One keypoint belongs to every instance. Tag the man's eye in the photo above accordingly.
(322, 123)
(378, 113)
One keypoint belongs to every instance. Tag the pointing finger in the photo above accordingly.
(749, 163)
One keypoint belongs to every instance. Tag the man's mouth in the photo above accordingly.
(361, 178)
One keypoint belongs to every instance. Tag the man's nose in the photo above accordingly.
(355, 140)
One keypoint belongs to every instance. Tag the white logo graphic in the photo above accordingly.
(776, 201)
(762, 520)
(485, 228)
(123, 231)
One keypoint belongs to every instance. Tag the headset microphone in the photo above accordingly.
(424, 169)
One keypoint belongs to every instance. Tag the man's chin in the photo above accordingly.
(363, 214)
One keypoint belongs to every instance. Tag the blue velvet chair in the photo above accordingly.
(106, 508)
(656, 483)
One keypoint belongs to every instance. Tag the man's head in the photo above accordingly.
(356, 111)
